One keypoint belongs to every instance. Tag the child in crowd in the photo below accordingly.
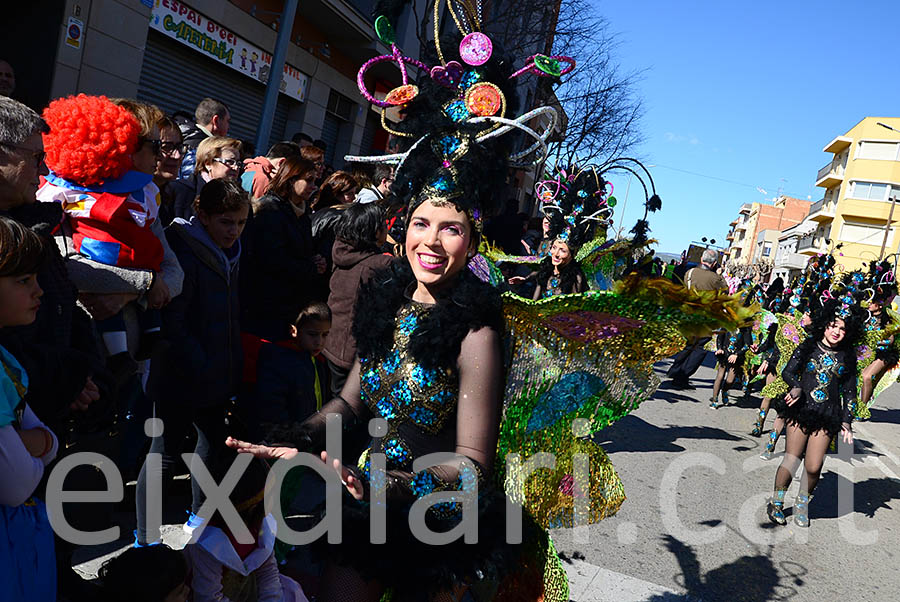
(197, 369)
(27, 559)
(225, 570)
(110, 205)
(151, 574)
(292, 378)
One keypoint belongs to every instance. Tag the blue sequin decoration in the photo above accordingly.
(408, 324)
(840, 370)
(442, 397)
(567, 395)
(441, 184)
(582, 194)
(828, 361)
(819, 395)
(824, 378)
(811, 366)
(395, 450)
(421, 377)
(422, 415)
(422, 484)
(456, 110)
(400, 391)
(391, 364)
(449, 144)
(371, 380)
(386, 409)
(469, 79)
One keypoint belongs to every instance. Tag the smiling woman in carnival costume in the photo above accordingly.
(821, 374)
(430, 364)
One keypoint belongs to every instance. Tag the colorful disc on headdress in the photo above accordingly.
(401, 95)
(549, 66)
(384, 30)
(484, 99)
(476, 48)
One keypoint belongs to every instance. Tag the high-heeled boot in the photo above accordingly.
(775, 507)
(760, 421)
(770, 446)
(801, 509)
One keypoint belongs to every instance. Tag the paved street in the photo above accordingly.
(694, 526)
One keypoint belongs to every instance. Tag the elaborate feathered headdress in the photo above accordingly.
(576, 203)
(455, 114)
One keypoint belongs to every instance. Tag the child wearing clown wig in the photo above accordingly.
(110, 207)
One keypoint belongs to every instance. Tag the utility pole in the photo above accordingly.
(893, 194)
(887, 225)
(276, 72)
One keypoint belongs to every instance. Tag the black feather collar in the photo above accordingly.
(469, 304)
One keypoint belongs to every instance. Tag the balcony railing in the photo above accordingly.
(834, 170)
(810, 242)
(823, 207)
(793, 261)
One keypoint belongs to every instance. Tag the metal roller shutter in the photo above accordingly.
(330, 129)
(174, 77)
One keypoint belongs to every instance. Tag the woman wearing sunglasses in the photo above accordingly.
(217, 157)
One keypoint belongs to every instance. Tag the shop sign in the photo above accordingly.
(182, 23)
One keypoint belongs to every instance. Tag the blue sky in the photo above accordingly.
(749, 93)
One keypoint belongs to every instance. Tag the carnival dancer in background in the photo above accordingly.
(575, 212)
(730, 350)
(879, 290)
(821, 374)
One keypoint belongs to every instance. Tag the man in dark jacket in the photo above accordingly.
(688, 360)
(211, 119)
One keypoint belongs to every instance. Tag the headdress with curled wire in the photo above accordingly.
(577, 203)
(454, 116)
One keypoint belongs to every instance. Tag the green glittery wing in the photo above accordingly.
(787, 337)
(590, 357)
(602, 261)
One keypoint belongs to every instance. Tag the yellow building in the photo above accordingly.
(859, 182)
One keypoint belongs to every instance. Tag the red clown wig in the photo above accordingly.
(91, 140)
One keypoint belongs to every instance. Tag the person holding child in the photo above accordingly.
(27, 446)
(198, 367)
(101, 159)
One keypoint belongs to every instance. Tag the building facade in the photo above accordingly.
(788, 263)
(860, 182)
(745, 244)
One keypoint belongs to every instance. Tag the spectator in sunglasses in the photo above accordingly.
(217, 157)
(168, 164)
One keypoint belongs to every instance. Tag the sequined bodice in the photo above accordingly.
(553, 287)
(418, 404)
(826, 367)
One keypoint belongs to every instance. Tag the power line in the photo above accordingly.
(727, 181)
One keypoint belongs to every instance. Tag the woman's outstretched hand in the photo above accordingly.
(265, 452)
(354, 486)
(847, 434)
